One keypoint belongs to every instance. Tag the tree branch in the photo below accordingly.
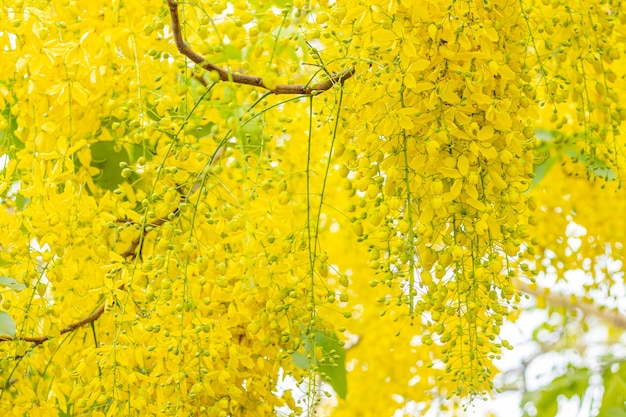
(309, 89)
(562, 300)
(131, 251)
(69, 328)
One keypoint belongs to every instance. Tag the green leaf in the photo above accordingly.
(574, 382)
(137, 151)
(529, 397)
(300, 360)
(7, 325)
(614, 412)
(542, 169)
(332, 366)
(250, 138)
(229, 52)
(600, 169)
(545, 147)
(595, 166)
(4, 262)
(106, 156)
(201, 131)
(614, 389)
(12, 283)
(555, 144)
(336, 371)
(249, 135)
(544, 135)
(547, 405)
(20, 201)
(9, 142)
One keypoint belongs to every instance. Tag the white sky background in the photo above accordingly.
(549, 365)
(544, 368)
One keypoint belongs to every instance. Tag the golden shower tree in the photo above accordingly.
(268, 206)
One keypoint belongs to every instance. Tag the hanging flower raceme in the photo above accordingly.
(440, 157)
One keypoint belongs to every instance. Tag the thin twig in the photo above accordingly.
(69, 328)
(224, 75)
(563, 300)
(131, 251)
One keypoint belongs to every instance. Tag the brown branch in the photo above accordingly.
(562, 300)
(69, 328)
(310, 89)
(224, 75)
(131, 251)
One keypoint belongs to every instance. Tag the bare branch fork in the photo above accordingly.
(308, 89)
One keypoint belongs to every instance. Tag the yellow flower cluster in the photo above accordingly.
(439, 153)
(119, 193)
(580, 72)
(186, 243)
